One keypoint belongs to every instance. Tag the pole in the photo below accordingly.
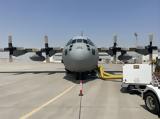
(136, 45)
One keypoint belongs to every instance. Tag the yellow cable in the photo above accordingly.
(105, 75)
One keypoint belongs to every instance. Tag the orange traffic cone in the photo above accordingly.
(81, 93)
(81, 90)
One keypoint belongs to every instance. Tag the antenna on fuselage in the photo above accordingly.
(82, 33)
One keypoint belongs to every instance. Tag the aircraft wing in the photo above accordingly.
(48, 52)
(113, 51)
(140, 50)
(18, 51)
(1, 50)
(144, 50)
(51, 51)
(103, 49)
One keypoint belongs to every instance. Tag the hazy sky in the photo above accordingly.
(29, 20)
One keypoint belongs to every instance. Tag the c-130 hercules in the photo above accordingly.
(79, 55)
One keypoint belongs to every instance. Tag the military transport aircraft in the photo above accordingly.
(79, 55)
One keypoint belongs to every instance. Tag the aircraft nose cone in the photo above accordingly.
(80, 55)
(80, 59)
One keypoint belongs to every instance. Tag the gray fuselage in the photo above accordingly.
(80, 55)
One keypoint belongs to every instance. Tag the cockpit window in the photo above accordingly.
(73, 41)
(85, 41)
(69, 42)
(90, 42)
(79, 40)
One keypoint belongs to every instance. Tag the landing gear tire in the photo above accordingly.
(152, 103)
(93, 73)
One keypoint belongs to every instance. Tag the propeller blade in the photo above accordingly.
(10, 47)
(114, 49)
(115, 41)
(47, 49)
(10, 58)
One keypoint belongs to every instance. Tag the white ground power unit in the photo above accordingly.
(136, 75)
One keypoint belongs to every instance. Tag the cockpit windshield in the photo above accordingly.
(79, 40)
(73, 41)
(90, 42)
(86, 41)
(69, 42)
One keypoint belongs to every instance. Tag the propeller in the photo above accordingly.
(113, 50)
(47, 49)
(10, 48)
(150, 47)
(38, 56)
(147, 50)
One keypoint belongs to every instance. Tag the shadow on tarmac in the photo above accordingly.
(86, 78)
(33, 72)
(131, 92)
(144, 107)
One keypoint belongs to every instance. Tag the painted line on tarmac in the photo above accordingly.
(45, 104)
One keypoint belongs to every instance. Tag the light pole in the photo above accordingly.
(136, 35)
(136, 45)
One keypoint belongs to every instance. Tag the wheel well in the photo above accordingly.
(149, 91)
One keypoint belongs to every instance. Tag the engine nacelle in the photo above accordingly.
(110, 52)
(124, 57)
(37, 58)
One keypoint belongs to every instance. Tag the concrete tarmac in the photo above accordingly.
(46, 94)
